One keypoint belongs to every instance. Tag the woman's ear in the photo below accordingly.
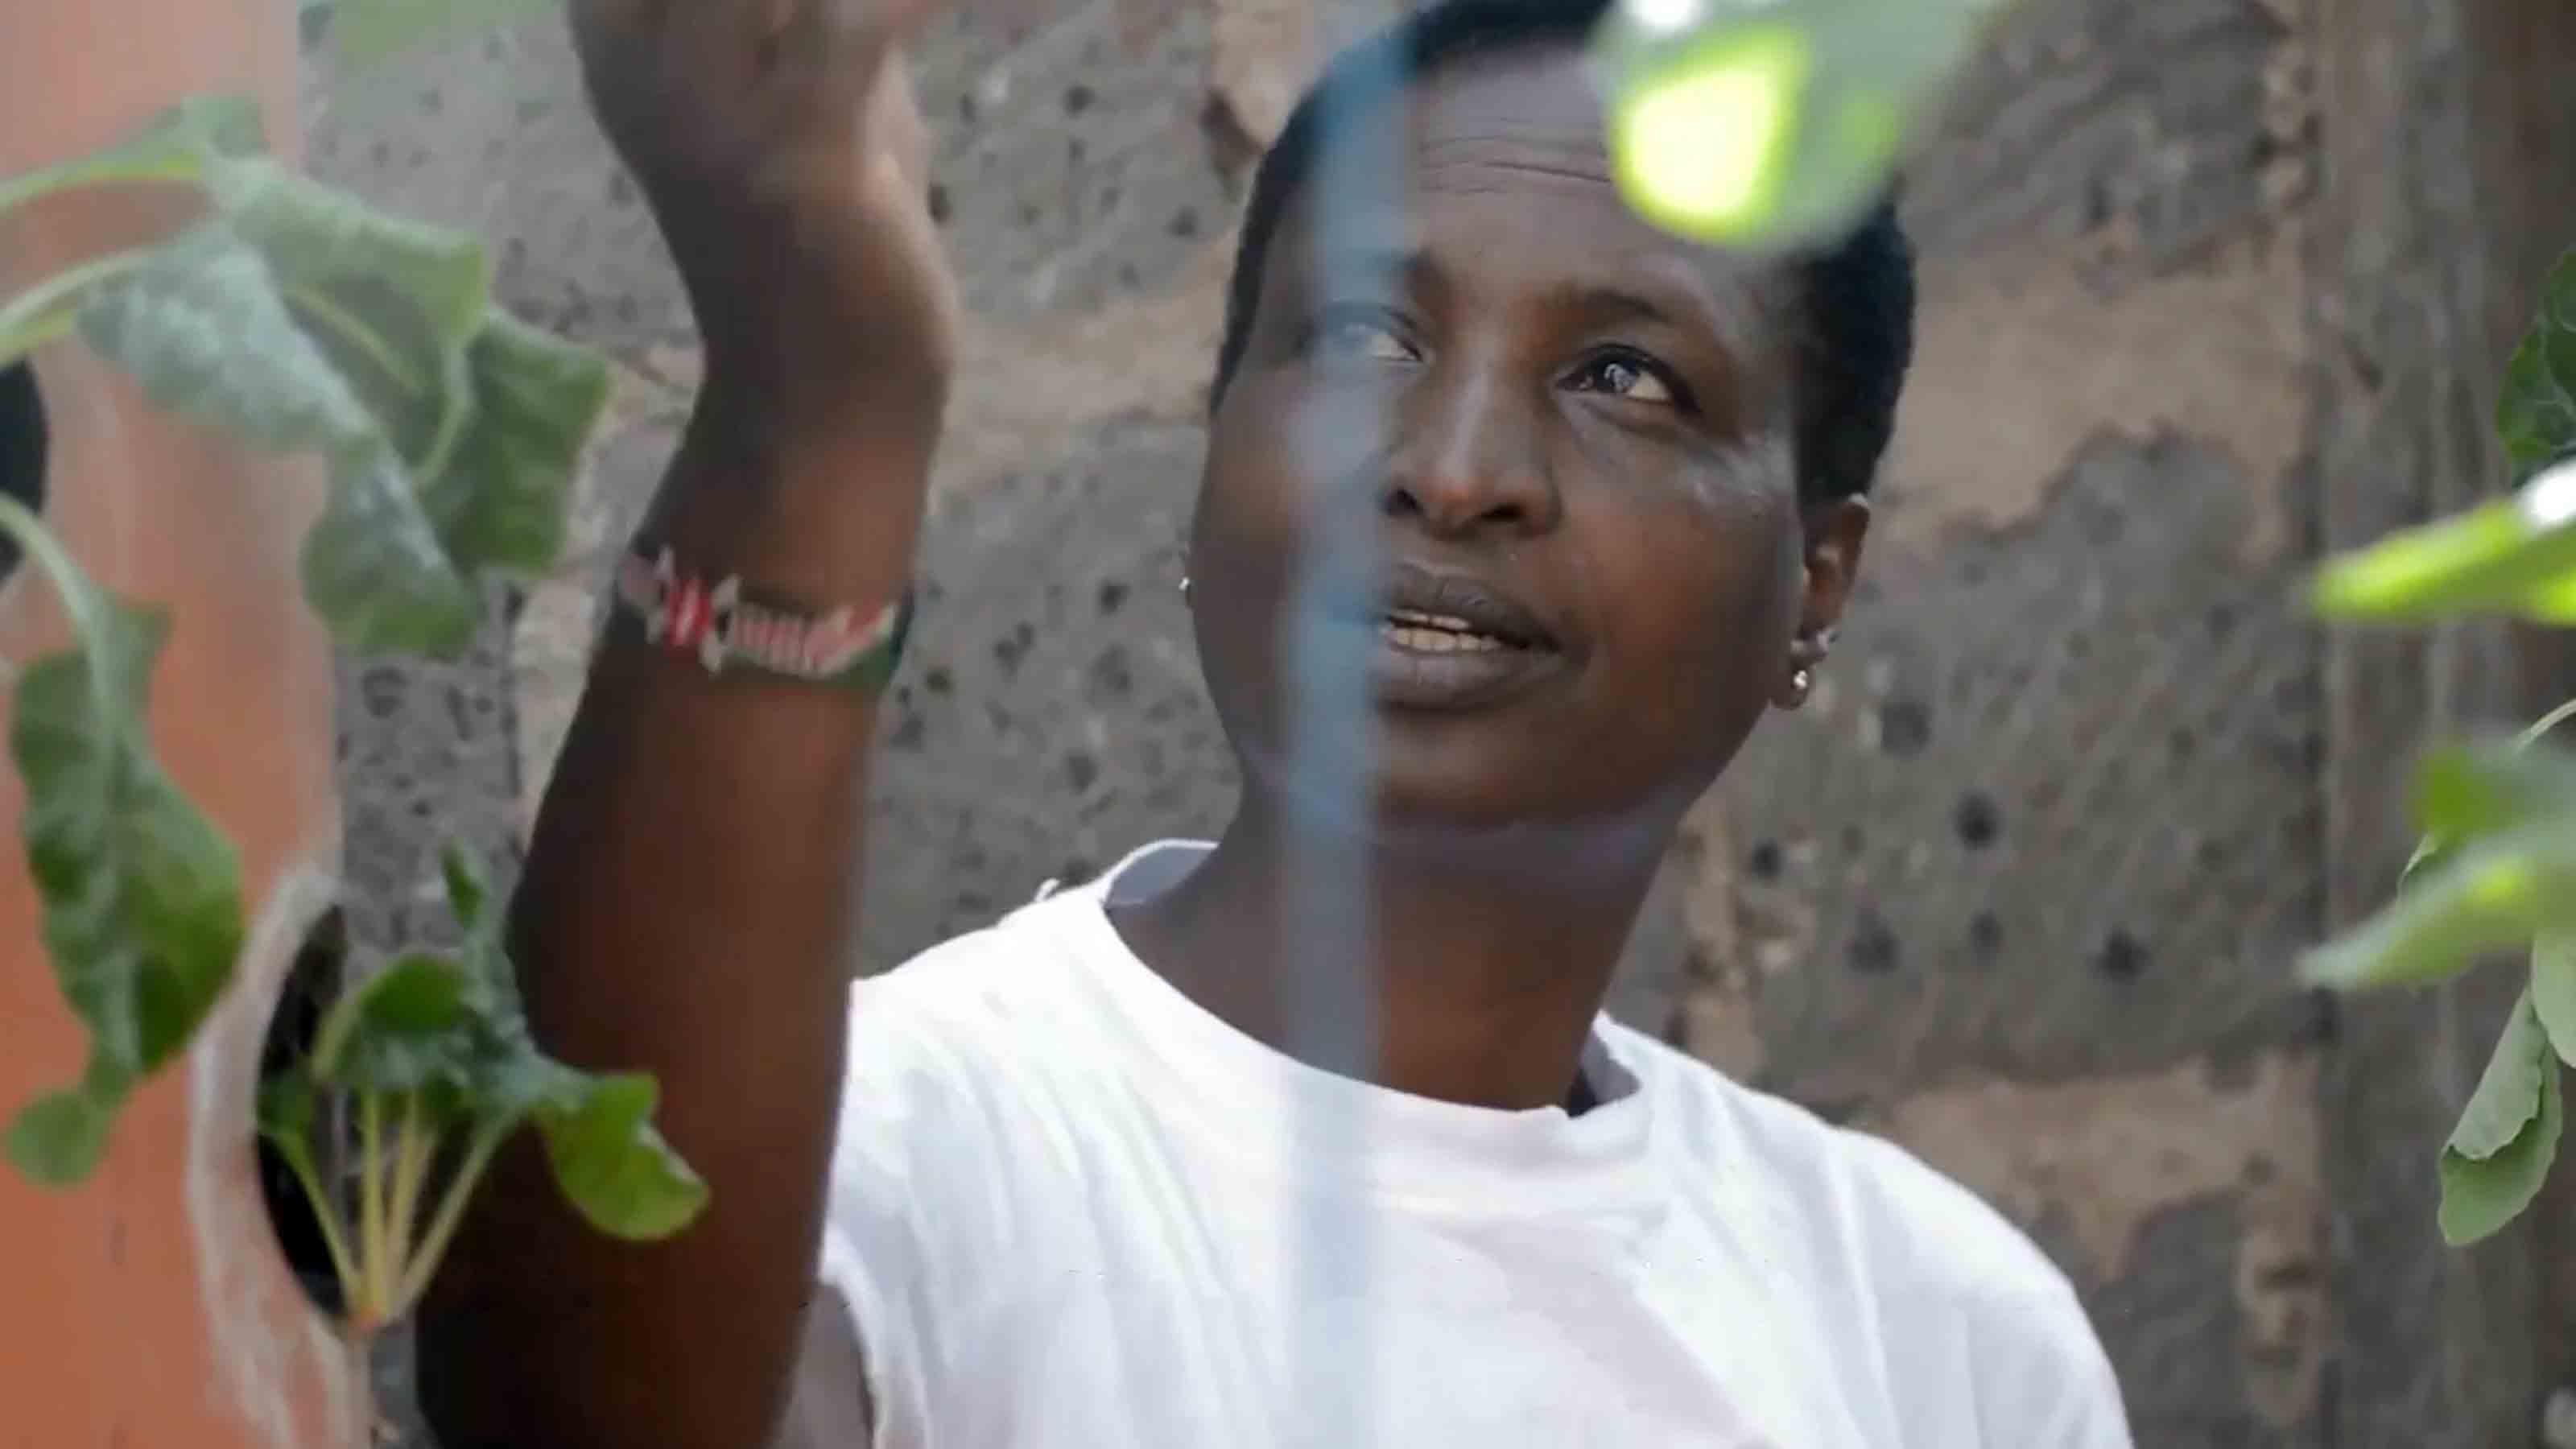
(1835, 531)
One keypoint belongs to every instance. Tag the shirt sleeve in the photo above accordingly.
(828, 1407)
(2043, 1381)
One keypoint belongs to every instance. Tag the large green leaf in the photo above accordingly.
(2536, 415)
(466, 888)
(2553, 988)
(2463, 791)
(495, 990)
(611, 1163)
(1773, 125)
(2516, 556)
(393, 303)
(141, 897)
(500, 501)
(2507, 1137)
(401, 1029)
(204, 332)
(58, 1139)
(2492, 895)
(374, 570)
(173, 146)
(2501, 557)
(2508, 1093)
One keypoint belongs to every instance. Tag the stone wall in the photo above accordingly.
(2019, 889)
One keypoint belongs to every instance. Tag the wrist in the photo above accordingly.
(774, 400)
(825, 507)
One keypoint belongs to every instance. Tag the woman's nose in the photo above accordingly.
(1467, 457)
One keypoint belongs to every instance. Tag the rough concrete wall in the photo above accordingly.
(2521, 53)
(2441, 1348)
(2021, 886)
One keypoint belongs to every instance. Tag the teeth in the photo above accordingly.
(1436, 641)
(1450, 622)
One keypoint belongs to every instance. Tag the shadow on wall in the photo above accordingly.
(22, 449)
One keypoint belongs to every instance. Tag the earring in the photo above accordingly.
(1185, 586)
(1800, 682)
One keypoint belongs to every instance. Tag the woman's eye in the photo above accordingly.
(1624, 377)
(1361, 339)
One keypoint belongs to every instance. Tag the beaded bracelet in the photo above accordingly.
(729, 629)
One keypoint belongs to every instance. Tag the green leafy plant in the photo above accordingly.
(1770, 125)
(2496, 870)
(434, 1052)
(299, 319)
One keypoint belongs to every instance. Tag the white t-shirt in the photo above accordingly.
(1072, 1210)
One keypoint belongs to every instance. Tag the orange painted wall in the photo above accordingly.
(149, 1309)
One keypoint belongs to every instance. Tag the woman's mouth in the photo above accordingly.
(1421, 633)
(1431, 659)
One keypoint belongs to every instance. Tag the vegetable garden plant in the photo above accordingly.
(297, 318)
(302, 320)
(2496, 869)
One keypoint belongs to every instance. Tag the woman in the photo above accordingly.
(1103, 1175)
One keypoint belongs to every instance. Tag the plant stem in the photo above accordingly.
(369, 1311)
(38, 543)
(315, 307)
(45, 311)
(451, 1211)
(80, 600)
(2548, 722)
(415, 1143)
(419, 1144)
(326, 1211)
(177, 166)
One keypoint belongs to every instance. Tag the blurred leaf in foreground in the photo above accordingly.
(1772, 126)
(2515, 556)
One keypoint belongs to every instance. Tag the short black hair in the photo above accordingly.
(1859, 292)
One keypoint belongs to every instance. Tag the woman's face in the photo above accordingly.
(1571, 437)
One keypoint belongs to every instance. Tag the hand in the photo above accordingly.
(779, 146)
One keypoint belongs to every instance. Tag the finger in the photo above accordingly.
(849, 39)
(615, 15)
(720, 37)
(605, 29)
(895, 122)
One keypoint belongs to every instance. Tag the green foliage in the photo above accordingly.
(141, 898)
(2496, 872)
(2538, 417)
(1772, 126)
(2500, 1153)
(2503, 558)
(175, 146)
(296, 316)
(2553, 988)
(2515, 558)
(2496, 868)
(437, 1055)
(299, 319)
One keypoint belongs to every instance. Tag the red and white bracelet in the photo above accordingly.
(729, 629)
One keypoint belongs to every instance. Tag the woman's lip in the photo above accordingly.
(1456, 678)
(1484, 607)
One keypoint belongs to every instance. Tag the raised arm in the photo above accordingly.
(692, 886)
